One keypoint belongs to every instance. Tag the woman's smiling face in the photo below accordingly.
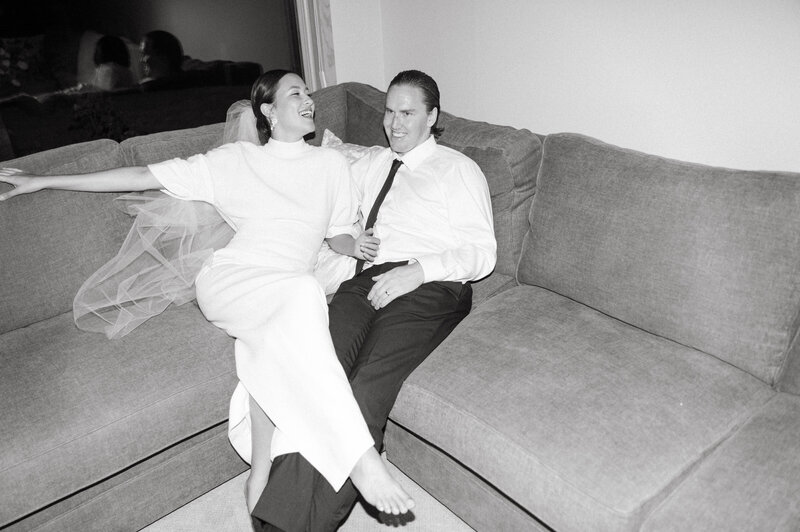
(292, 110)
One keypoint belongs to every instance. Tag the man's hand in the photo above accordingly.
(395, 283)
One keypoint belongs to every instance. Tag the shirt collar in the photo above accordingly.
(416, 156)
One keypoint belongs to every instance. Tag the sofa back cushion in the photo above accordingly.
(51, 241)
(157, 147)
(330, 112)
(508, 157)
(352, 111)
(708, 257)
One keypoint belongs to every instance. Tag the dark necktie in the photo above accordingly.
(373, 213)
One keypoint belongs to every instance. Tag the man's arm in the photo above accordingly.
(474, 253)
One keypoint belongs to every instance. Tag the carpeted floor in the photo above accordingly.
(223, 510)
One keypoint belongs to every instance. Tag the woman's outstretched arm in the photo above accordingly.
(125, 179)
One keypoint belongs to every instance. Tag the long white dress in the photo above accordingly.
(282, 199)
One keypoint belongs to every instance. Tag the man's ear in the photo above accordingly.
(266, 109)
(432, 116)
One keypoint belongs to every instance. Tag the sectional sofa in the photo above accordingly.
(632, 363)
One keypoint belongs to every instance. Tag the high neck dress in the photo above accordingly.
(282, 200)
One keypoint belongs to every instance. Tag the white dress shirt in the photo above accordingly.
(437, 212)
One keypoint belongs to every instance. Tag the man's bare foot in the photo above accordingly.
(377, 486)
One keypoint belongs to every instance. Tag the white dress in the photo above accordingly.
(282, 199)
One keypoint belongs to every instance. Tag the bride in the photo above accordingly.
(283, 199)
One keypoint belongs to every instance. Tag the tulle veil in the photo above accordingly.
(166, 247)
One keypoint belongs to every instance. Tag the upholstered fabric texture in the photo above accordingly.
(466, 494)
(365, 109)
(708, 257)
(120, 403)
(99, 386)
(150, 489)
(789, 379)
(157, 147)
(757, 470)
(604, 417)
(330, 112)
(72, 236)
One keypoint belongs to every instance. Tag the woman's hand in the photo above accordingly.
(366, 246)
(23, 183)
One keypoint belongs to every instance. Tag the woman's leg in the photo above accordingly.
(261, 430)
(286, 361)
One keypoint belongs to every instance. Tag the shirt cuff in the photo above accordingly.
(432, 268)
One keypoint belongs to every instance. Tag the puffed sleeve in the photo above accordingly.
(194, 178)
(343, 197)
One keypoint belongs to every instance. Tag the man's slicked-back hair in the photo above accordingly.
(430, 92)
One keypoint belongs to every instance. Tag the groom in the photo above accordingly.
(433, 216)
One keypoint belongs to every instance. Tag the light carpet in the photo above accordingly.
(223, 510)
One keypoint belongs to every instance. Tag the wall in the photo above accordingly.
(237, 30)
(699, 80)
(358, 41)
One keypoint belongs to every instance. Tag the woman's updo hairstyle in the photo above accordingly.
(263, 91)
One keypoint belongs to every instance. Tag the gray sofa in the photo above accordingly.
(633, 363)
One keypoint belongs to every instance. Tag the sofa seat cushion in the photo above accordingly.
(489, 286)
(757, 469)
(581, 419)
(78, 408)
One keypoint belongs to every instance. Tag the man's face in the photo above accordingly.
(406, 121)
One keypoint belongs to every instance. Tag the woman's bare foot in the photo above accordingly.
(377, 486)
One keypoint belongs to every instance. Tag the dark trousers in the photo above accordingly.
(378, 349)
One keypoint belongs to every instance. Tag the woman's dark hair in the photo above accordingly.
(430, 92)
(163, 44)
(111, 49)
(263, 91)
